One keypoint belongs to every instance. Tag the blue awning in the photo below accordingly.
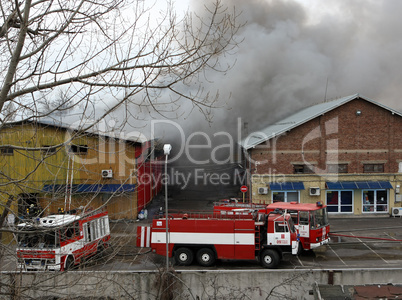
(286, 186)
(359, 185)
(90, 188)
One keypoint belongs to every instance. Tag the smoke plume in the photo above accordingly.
(294, 55)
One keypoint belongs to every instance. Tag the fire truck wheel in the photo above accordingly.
(183, 256)
(300, 249)
(69, 263)
(100, 249)
(269, 258)
(206, 257)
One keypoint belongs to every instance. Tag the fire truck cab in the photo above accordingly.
(208, 237)
(58, 242)
(311, 220)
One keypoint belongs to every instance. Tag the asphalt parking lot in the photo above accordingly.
(368, 242)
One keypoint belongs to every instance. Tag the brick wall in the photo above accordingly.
(337, 136)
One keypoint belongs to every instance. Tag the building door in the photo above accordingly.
(340, 201)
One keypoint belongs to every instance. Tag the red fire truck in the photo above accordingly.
(58, 242)
(208, 237)
(311, 219)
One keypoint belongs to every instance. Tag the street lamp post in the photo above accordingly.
(166, 150)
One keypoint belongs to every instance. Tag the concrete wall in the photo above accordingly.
(234, 284)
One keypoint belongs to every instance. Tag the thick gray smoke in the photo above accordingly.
(292, 57)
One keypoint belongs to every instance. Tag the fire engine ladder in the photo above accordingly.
(258, 235)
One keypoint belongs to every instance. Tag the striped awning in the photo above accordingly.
(358, 185)
(286, 186)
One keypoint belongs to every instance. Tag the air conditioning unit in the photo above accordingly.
(314, 191)
(262, 190)
(396, 211)
(107, 174)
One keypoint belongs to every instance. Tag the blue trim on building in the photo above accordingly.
(359, 185)
(286, 186)
(90, 188)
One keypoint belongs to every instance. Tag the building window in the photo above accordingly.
(285, 196)
(339, 201)
(373, 168)
(78, 149)
(375, 201)
(337, 168)
(48, 150)
(7, 151)
(303, 169)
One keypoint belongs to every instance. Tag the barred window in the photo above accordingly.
(302, 169)
(373, 168)
(78, 149)
(337, 168)
(7, 151)
(48, 150)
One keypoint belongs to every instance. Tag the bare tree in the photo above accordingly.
(59, 55)
(113, 49)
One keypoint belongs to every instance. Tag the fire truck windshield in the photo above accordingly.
(36, 239)
(319, 218)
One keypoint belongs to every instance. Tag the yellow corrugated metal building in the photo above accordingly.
(51, 166)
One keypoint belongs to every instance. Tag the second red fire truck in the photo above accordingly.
(311, 219)
(208, 237)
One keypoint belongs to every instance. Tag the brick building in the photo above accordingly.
(346, 153)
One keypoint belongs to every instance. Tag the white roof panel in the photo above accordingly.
(300, 118)
(135, 136)
(50, 221)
